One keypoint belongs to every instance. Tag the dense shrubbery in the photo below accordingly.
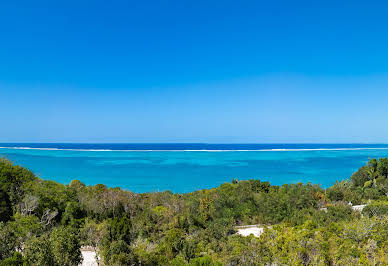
(46, 223)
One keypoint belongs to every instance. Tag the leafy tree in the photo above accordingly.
(8, 241)
(204, 261)
(382, 167)
(5, 206)
(120, 229)
(65, 244)
(378, 208)
(72, 214)
(118, 253)
(38, 251)
(13, 180)
(24, 227)
(361, 176)
(16, 260)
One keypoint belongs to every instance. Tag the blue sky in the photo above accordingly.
(193, 71)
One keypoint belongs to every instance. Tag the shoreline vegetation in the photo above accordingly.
(46, 223)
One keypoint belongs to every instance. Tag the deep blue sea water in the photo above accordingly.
(189, 167)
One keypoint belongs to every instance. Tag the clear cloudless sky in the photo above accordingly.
(194, 71)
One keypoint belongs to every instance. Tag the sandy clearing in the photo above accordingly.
(89, 258)
(250, 229)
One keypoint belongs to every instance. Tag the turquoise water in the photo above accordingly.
(185, 171)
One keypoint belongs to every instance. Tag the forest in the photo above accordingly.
(46, 223)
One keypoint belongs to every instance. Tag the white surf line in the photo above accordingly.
(262, 150)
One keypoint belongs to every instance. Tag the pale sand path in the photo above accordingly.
(89, 257)
(247, 230)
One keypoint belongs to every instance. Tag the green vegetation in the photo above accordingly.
(46, 223)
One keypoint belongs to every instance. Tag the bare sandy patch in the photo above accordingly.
(247, 230)
(89, 257)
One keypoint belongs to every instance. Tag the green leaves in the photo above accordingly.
(65, 243)
(382, 167)
(59, 247)
(5, 206)
(14, 180)
(38, 251)
(44, 223)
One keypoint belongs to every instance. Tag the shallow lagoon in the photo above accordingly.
(186, 171)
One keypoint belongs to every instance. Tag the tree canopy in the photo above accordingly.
(45, 223)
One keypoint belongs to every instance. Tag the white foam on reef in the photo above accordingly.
(262, 150)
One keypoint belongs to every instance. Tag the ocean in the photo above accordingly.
(185, 167)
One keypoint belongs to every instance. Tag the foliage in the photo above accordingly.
(45, 223)
(378, 208)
